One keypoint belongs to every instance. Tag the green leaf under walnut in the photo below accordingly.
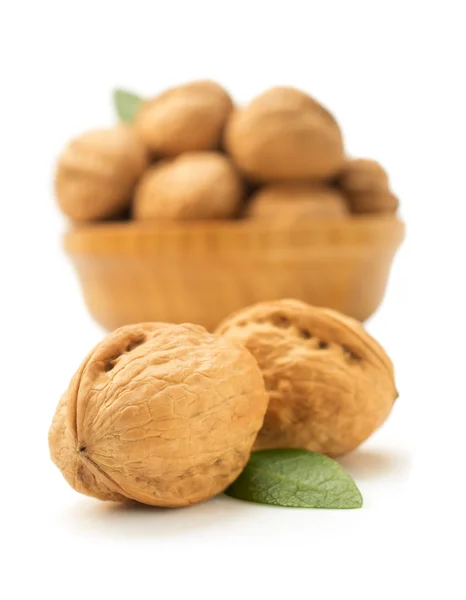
(295, 478)
(126, 104)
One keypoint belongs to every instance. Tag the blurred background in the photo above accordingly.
(391, 72)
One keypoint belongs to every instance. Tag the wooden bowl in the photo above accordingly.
(200, 272)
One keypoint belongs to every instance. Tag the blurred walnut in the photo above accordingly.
(292, 202)
(195, 185)
(162, 414)
(330, 383)
(366, 186)
(184, 118)
(373, 201)
(361, 174)
(97, 172)
(284, 134)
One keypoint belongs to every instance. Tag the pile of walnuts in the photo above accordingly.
(192, 154)
(168, 414)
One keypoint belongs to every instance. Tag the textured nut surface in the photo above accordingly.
(162, 414)
(330, 383)
(184, 118)
(284, 134)
(195, 185)
(365, 184)
(97, 172)
(295, 201)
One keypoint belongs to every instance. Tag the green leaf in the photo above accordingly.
(297, 478)
(126, 104)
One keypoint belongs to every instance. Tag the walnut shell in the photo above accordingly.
(97, 172)
(373, 201)
(195, 185)
(362, 174)
(284, 134)
(330, 383)
(162, 414)
(292, 202)
(366, 186)
(185, 118)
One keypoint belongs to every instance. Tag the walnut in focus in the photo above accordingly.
(330, 383)
(162, 414)
(195, 185)
(366, 186)
(284, 134)
(185, 118)
(293, 202)
(97, 172)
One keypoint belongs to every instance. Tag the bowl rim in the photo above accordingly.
(235, 236)
(350, 221)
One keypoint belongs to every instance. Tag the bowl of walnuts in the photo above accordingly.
(193, 208)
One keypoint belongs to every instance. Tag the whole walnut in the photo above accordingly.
(162, 414)
(330, 383)
(184, 118)
(362, 174)
(284, 134)
(366, 186)
(194, 185)
(97, 172)
(292, 202)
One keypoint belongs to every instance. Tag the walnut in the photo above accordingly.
(184, 118)
(373, 201)
(162, 414)
(195, 185)
(290, 202)
(284, 134)
(330, 383)
(97, 172)
(362, 174)
(365, 184)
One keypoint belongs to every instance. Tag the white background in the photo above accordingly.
(392, 72)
